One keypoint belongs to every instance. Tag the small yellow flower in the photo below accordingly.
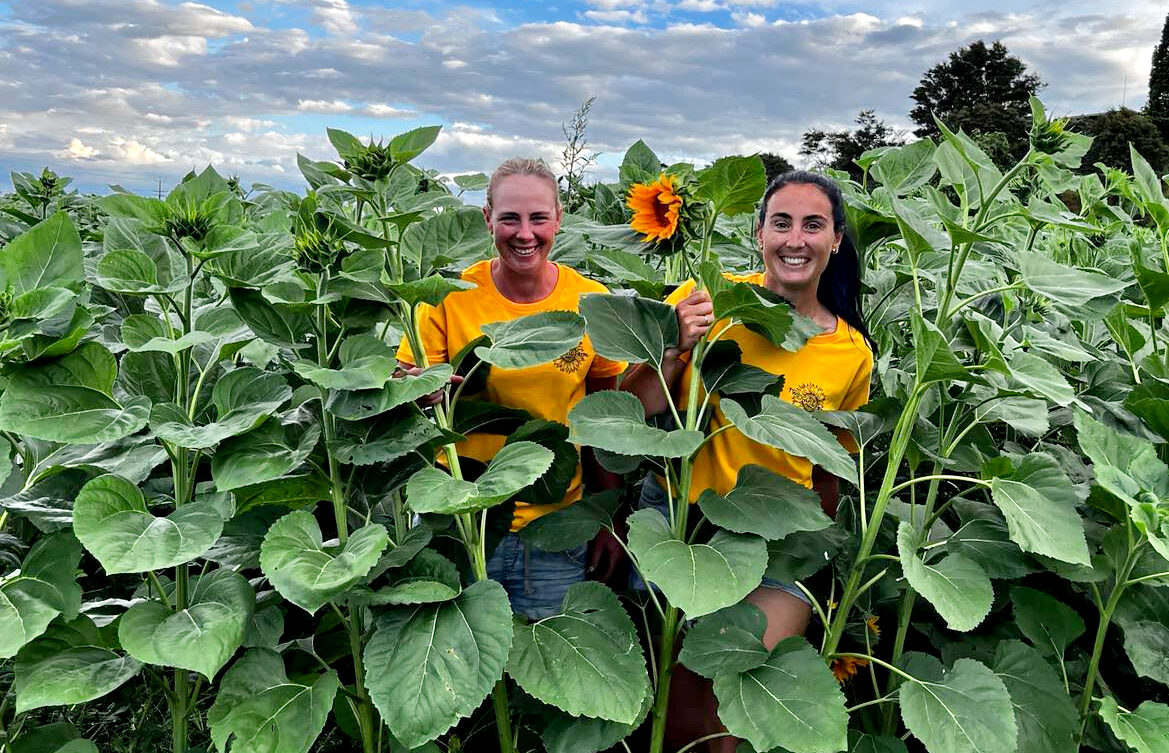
(846, 667)
(655, 208)
(832, 604)
(871, 623)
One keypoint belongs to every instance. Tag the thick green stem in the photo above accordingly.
(1101, 634)
(665, 674)
(900, 441)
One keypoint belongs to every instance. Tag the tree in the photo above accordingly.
(1157, 107)
(774, 164)
(840, 149)
(981, 90)
(1113, 131)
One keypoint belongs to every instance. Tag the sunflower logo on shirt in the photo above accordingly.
(571, 361)
(808, 396)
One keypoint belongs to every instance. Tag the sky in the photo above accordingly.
(138, 92)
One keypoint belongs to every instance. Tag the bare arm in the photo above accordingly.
(828, 487)
(695, 315)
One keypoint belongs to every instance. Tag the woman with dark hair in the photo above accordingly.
(809, 260)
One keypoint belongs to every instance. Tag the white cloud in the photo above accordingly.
(134, 152)
(321, 105)
(386, 111)
(748, 19)
(617, 16)
(182, 83)
(700, 6)
(170, 50)
(335, 17)
(78, 151)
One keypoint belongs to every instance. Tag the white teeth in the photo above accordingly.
(523, 251)
(794, 261)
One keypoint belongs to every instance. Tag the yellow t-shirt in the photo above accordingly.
(830, 372)
(547, 391)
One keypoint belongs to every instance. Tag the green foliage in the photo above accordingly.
(199, 392)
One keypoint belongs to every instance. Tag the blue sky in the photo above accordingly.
(139, 91)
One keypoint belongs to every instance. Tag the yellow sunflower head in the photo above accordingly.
(846, 667)
(655, 208)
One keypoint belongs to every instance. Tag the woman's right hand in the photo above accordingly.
(434, 398)
(695, 315)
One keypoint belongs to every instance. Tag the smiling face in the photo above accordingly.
(523, 219)
(797, 238)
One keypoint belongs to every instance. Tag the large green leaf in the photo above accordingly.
(766, 504)
(1146, 730)
(935, 360)
(1047, 622)
(551, 486)
(764, 313)
(956, 586)
(732, 184)
(627, 328)
(68, 400)
(406, 146)
(586, 660)
(357, 405)
(531, 340)
(724, 372)
(730, 640)
(276, 324)
(791, 700)
(581, 734)
(428, 577)
(46, 256)
(258, 709)
(388, 437)
(1037, 376)
(1123, 464)
(44, 587)
(457, 235)
(1146, 642)
(790, 428)
(69, 414)
(428, 666)
(964, 710)
(277, 448)
(697, 578)
(243, 398)
(615, 421)
(1047, 720)
(514, 467)
(984, 538)
(144, 332)
(112, 521)
(1064, 284)
(429, 290)
(905, 168)
(366, 364)
(68, 665)
(571, 526)
(1039, 503)
(201, 637)
(305, 571)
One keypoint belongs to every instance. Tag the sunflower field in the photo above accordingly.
(223, 526)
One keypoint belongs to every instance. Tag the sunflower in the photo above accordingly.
(655, 208)
(846, 667)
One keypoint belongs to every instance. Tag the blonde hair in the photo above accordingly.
(523, 166)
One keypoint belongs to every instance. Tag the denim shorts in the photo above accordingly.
(653, 495)
(535, 580)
